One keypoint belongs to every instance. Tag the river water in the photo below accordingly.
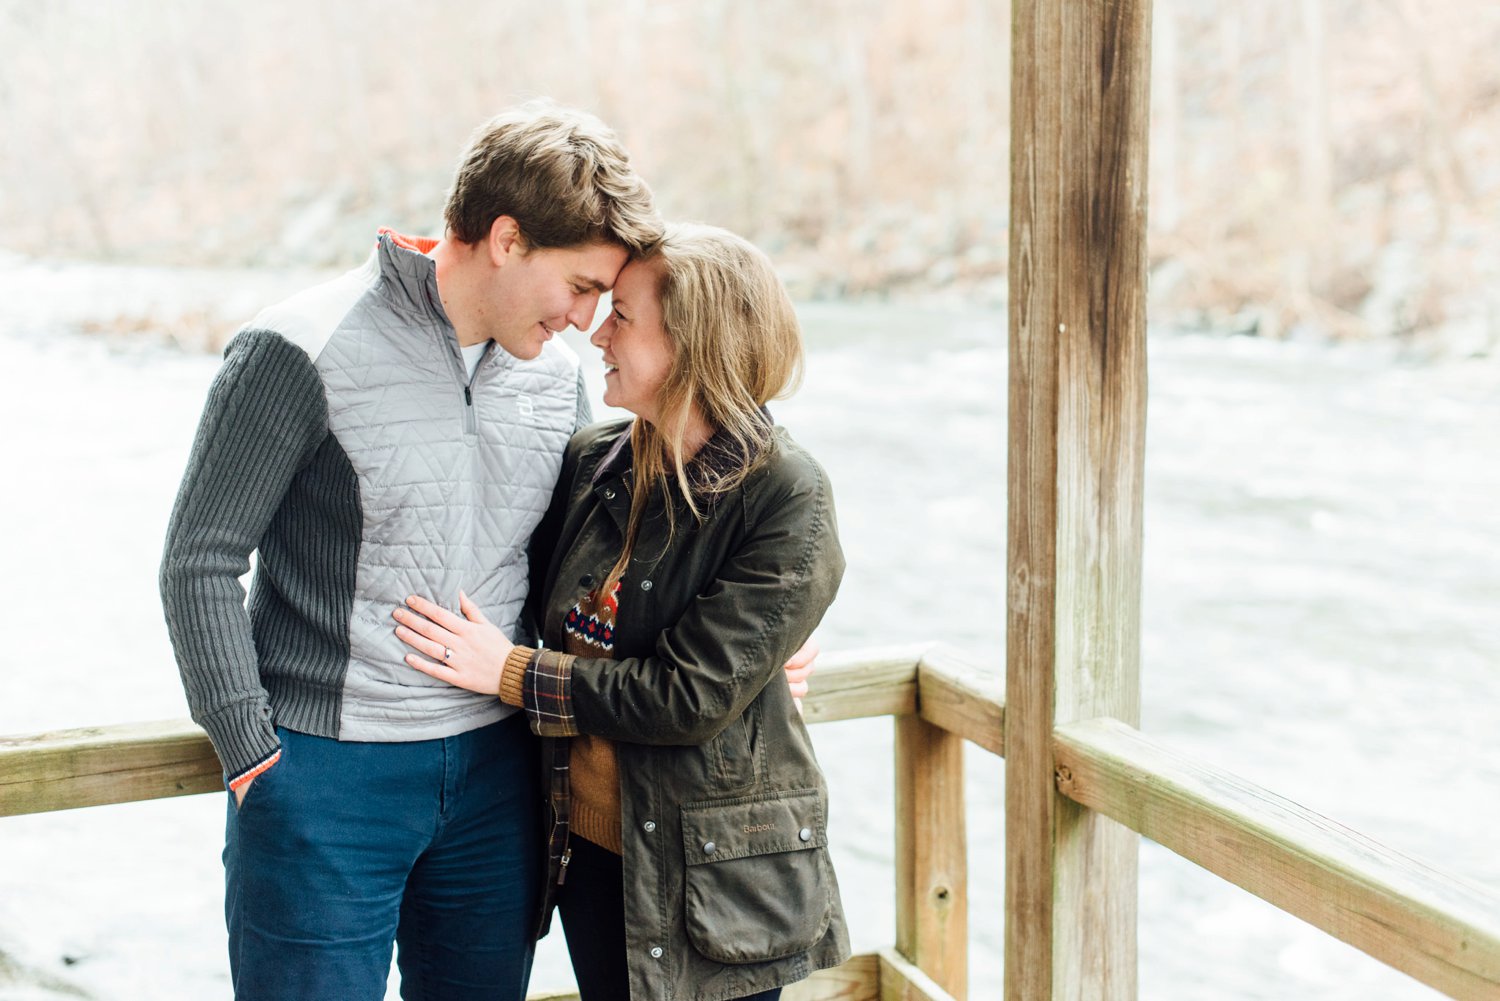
(1322, 578)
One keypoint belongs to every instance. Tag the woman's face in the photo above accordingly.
(637, 354)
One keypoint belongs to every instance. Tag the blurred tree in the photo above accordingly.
(1328, 163)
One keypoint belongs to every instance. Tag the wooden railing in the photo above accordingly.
(1435, 927)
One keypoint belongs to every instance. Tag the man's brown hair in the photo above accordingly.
(560, 173)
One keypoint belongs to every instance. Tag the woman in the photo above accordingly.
(691, 551)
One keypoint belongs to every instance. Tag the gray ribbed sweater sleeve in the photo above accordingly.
(266, 414)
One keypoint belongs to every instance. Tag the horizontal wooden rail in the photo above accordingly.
(946, 687)
(858, 979)
(1442, 931)
(901, 980)
(870, 976)
(1430, 925)
(99, 765)
(963, 696)
(861, 683)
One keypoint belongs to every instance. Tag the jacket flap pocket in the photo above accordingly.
(757, 886)
(732, 829)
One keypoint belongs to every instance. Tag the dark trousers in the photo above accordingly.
(592, 906)
(342, 848)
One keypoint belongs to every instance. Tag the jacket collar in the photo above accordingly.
(409, 275)
(719, 455)
(617, 460)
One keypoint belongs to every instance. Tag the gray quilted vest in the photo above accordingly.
(450, 483)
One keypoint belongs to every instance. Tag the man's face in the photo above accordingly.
(541, 291)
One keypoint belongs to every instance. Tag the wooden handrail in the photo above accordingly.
(870, 976)
(98, 765)
(126, 762)
(1426, 923)
(1431, 925)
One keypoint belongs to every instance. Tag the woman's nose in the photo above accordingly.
(599, 338)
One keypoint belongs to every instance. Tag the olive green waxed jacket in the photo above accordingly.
(728, 885)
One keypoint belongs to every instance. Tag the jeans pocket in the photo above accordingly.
(758, 883)
(258, 788)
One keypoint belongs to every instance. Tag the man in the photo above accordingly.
(395, 431)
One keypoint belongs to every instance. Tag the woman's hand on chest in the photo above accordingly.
(468, 652)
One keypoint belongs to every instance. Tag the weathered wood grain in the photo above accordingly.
(862, 683)
(882, 976)
(93, 766)
(121, 763)
(1424, 922)
(1434, 927)
(901, 980)
(932, 879)
(961, 695)
(1077, 384)
(858, 979)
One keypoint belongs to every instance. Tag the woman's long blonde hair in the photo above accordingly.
(736, 345)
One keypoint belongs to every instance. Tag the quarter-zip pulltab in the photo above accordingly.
(466, 382)
(471, 425)
(562, 867)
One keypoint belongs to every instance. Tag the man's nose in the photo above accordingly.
(584, 308)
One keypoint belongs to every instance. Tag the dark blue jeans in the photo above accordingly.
(341, 849)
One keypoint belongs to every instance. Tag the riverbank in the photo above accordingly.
(198, 309)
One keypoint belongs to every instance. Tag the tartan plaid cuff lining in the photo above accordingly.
(547, 693)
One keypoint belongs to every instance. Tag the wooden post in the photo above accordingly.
(1079, 102)
(932, 903)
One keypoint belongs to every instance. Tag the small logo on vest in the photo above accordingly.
(757, 828)
(524, 407)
